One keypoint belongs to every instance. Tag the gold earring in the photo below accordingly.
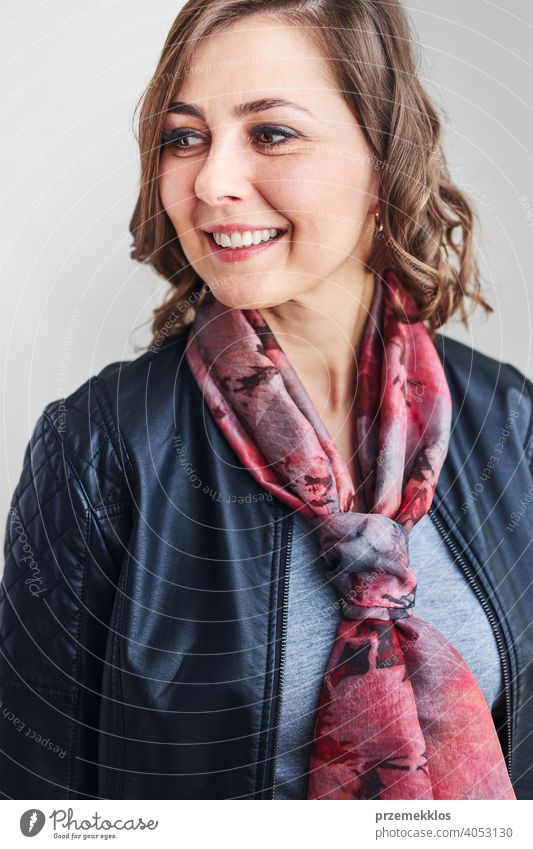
(379, 224)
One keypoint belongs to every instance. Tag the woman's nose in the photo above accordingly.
(223, 175)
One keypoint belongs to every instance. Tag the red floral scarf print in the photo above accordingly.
(400, 714)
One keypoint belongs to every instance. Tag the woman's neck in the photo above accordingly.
(320, 333)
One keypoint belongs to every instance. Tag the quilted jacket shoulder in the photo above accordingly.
(491, 378)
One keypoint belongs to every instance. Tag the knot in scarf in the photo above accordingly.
(368, 562)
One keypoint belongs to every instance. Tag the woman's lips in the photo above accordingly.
(240, 254)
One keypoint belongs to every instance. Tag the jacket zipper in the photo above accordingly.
(445, 533)
(283, 647)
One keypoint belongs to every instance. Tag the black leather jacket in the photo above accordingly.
(143, 610)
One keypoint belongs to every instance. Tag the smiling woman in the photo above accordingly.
(233, 527)
(227, 163)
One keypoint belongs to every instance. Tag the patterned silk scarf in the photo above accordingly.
(400, 714)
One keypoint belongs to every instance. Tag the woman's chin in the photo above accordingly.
(247, 297)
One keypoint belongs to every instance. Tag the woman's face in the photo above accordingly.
(234, 163)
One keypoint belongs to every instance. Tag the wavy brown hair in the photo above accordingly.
(427, 235)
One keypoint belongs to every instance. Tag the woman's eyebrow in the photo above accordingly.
(242, 110)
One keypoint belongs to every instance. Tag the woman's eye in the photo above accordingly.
(270, 132)
(264, 135)
(175, 137)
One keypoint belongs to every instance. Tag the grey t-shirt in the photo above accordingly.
(443, 598)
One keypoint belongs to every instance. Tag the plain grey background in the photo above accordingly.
(73, 301)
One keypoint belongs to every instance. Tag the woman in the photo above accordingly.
(212, 556)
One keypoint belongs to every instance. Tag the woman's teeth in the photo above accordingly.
(243, 240)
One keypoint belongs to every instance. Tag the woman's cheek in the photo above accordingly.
(176, 185)
(282, 180)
